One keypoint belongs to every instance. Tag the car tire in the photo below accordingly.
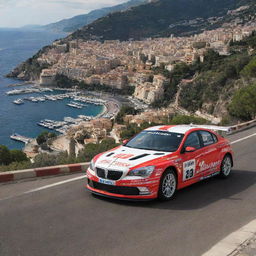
(168, 185)
(226, 166)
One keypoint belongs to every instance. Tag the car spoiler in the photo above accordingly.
(225, 129)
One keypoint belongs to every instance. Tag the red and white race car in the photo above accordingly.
(160, 160)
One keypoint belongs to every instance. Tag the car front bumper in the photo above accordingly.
(134, 189)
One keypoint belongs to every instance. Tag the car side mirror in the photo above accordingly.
(190, 149)
(125, 141)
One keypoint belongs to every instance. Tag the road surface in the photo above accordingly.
(62, 219)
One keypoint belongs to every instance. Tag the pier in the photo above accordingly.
(20, 138)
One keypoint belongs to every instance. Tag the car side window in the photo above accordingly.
(207, 138)
(192, 141)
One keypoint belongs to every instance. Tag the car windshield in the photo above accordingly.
(156, 140)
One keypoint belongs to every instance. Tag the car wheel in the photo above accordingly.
(226, 166)
(168, 185)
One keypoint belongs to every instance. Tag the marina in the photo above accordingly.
(50, 109)
(63, 126)
(77, 101)
(72, 99)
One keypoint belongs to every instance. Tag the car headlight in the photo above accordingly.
(142, 172)
(92, 165)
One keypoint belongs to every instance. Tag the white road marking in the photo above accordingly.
(233, 242)
(56, 184)
(245, 138)
(45, 187)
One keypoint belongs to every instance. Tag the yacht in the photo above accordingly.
(18, 102)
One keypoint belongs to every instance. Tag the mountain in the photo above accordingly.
(160, 18)
(31, 27)
(72, 24)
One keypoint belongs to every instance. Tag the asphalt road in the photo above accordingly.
(66, 220)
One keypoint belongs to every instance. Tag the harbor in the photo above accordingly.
(78, 103)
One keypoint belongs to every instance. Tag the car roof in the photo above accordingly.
(186, 127)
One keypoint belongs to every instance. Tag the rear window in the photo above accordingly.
(208, 138)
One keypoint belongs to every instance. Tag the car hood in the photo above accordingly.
(124, 158)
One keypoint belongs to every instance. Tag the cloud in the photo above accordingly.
(77, 4)
(22, 12)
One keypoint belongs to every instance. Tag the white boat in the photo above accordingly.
(18, 102)
(74, 105)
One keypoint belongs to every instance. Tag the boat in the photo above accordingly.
(18, 102)
(74, 105)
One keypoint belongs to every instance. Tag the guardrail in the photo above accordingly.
(242, 126)
(43, 172)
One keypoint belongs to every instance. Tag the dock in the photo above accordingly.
(20, 138)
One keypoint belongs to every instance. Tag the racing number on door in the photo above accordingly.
(189, 169)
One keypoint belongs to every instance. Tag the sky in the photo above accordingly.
(18, 13)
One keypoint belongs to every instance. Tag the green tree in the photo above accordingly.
(44, 136)
(243, 104)
(18, 156)
(90, 150)
(250, 69)
(5, 156)
(125, 110)
(183, 119)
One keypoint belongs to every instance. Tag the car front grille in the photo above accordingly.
(108, 174)
(121, 190)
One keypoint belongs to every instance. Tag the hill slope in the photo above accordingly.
(72, 24)
(160, 18)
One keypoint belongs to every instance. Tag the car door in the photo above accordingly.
(210, 162)
(191, 160)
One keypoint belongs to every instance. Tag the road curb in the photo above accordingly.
(232, 244)
(42, 172)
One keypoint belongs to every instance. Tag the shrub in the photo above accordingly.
(18, 156)
(44, 136)
(250, 69)
(125, 110)
(183, 119)
(243, 104)
(90, 150)
(5, 155)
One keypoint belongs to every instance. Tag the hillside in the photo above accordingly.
(162, 18)
(77, 22)
(223, 86)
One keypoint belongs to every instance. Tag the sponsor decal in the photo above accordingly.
(120, 164)
(171, 158)
(189, 169)
(204, 166)
(161, 133)
(158, 171)
(123, 156)
(105, 161)
(209, 176)
(224, 150)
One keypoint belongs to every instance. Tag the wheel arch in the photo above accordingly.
(230, 155)
(172, 168)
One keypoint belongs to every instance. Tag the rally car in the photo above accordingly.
(160, 160)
